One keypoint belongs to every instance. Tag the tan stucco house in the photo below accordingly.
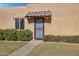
(42, 19)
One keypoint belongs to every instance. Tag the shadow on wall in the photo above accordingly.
(30, 19)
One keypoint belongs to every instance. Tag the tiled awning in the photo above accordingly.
(39, 13)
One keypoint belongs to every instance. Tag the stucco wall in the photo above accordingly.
(7, 16)
(65, 18)
(64, 21)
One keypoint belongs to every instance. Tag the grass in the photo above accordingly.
(55, 49)
(6, 47)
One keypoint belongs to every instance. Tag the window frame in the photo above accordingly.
(21, 23)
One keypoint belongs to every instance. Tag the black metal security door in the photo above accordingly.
(39, 28)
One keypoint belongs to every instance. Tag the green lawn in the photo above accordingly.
(8, 47)
(55, 49)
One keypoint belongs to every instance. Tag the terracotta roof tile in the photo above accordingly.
(39, 13)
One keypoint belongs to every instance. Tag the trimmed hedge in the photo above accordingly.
(1, 34)
(24, 35)
(10, 35)
(15, 35)
(53, 38)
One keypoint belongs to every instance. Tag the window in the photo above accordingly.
(19, 23)
(22, 24)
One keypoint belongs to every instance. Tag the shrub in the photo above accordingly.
(28, 34)
(24, 35)
(15, 35)
(10, 35)
(52, 38)
(70, 39)
(1, 34)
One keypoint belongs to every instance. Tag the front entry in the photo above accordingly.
(39, 28)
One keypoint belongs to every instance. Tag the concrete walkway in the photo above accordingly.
(26, 49)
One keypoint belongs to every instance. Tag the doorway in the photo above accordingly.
(39, 28)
